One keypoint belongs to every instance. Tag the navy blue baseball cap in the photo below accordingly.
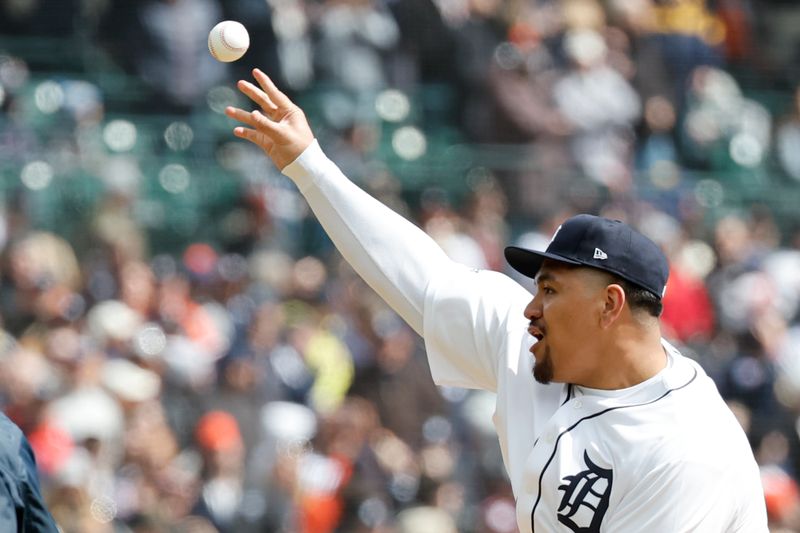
(598, 242)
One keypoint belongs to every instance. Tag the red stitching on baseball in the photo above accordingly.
(226, 43)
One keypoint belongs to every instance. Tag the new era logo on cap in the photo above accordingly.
(602, 243)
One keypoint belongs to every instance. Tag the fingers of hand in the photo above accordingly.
(258, 96)
(271, 90)
(254, 136)
(241, 115)
(254, 119)
(263, 123)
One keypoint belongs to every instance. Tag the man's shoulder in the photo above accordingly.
(687, 380)
(701, 429)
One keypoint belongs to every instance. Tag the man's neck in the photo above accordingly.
(631, 356)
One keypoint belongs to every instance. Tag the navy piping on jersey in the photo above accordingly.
(573, 426)
(569, 395)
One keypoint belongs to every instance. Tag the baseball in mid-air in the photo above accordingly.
(228, 41)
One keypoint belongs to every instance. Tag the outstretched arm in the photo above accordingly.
(391, 254)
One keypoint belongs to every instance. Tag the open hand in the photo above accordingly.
(280, 128)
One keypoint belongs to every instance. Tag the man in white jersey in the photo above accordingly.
(615, 431)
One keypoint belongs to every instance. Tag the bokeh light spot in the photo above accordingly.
(120, 135)
(14, 72)
(219, 98)
(179, 136)
(746, 150)
(409, 143)
(103, 509)
(37, 175)
(49, 97)
(709, 193)
(150, 341)
(507, 56)
(174, 178)
(392, 105)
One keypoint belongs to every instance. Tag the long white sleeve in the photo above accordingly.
(395, 257)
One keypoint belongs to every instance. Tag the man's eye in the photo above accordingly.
(547, 290)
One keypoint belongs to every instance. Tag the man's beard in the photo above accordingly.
(543, 370)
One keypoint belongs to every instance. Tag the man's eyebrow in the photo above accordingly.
(541, 278)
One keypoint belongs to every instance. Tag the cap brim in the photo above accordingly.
(528, 262)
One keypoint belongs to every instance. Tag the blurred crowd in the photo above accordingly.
(187, 352)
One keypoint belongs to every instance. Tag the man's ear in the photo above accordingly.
(613, 305)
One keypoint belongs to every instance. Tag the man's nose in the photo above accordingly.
(533, 310)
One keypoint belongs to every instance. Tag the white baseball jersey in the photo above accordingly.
(665, 455)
